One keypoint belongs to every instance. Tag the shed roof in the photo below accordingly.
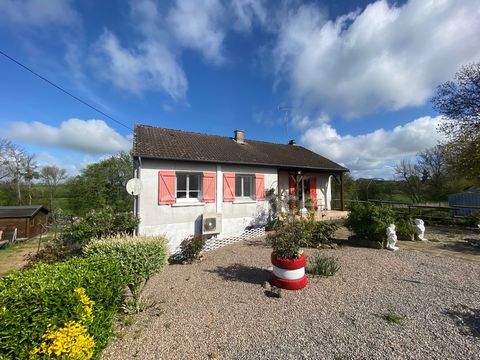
(169, 144)
(20, 211)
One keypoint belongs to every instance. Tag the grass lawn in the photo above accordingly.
(13, 257)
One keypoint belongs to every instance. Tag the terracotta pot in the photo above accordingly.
(289, 274)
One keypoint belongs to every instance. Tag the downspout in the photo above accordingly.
(136, 198)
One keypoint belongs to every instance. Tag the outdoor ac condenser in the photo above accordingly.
(211, 224)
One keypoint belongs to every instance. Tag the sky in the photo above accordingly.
(350, 80)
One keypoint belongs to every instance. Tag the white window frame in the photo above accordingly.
(252, 187)
(187, 198)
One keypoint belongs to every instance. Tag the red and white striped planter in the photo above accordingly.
(289, 273)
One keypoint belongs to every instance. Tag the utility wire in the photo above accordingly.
(63, 90)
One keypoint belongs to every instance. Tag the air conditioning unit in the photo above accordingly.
(211, 224)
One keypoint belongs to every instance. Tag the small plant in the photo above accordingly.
(191, 248)
(392, 317)
(139, 258)
(405, 228)
(321, 265)
(369, 222)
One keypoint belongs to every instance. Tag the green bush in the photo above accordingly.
(31, 300)
(321, 265)
(287, 239)
(321, 233)
(370, 222)
(405, 228)
(139, 258)
(191, 248)
(97, 224)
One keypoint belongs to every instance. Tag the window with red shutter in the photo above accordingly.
(209, 187)
(166, 187)
(228, 187)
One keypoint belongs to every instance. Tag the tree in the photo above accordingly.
(410, 175)
(16, 166)
(52, 176)
(459, 102)
(431, 163)
(102, 184)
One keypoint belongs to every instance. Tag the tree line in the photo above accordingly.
(24, 182)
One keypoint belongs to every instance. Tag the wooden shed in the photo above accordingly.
(28, 220)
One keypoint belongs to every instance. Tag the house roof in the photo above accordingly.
(169, 144)
(20, 211)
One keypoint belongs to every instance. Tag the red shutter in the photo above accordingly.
(228, 187)
(291, 185)
(209, 187)
(166, 187)
(260, 186)
(313, 191)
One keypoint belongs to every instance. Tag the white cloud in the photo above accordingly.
(38, 13)
(248, 11)
(375, 152)
(386, 57)
(151, 66)
(88, 136)
(197, 25)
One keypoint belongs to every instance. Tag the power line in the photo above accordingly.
(63, 90)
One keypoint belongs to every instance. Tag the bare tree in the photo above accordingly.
(410, 176)
(432, 162)
(52, 176)
(5, 145)
(29, 174)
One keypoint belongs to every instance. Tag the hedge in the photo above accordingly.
(43, 298)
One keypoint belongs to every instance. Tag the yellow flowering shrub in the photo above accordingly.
(72, 340)
(87, 304)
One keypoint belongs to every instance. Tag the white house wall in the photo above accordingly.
(178, 221)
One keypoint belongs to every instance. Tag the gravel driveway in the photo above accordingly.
(217, 308)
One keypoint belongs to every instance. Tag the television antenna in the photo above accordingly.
(134, 186)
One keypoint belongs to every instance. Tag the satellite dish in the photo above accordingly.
(134, 186)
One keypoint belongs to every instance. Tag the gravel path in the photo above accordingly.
(218, 308)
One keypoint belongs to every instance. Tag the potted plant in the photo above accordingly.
(287, 259)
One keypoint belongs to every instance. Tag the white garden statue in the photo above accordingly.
(391, 238)
(420, 229)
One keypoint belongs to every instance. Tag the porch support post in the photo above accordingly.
(342, 203)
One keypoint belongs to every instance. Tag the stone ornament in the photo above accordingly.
(391, 238)
(420, 229)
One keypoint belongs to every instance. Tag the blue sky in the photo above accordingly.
(356, 76)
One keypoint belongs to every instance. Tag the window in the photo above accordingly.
(188, 186)
(244, 186)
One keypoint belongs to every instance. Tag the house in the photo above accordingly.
(29, 221)
(189, 177)
(466, 202)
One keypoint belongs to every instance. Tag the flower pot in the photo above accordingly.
(289, 274)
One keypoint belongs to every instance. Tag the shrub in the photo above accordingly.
(97, 224)
(191, 248)
(50, 254)
(322, 265)
(287, 239)
(405, 228)
(392, 317)
(369, 222)
(139, 257)
(321, 233)
(43, 296)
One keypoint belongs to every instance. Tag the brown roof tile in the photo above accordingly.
(170, 144)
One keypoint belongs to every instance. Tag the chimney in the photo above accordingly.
(292, 142)
(240, 136)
